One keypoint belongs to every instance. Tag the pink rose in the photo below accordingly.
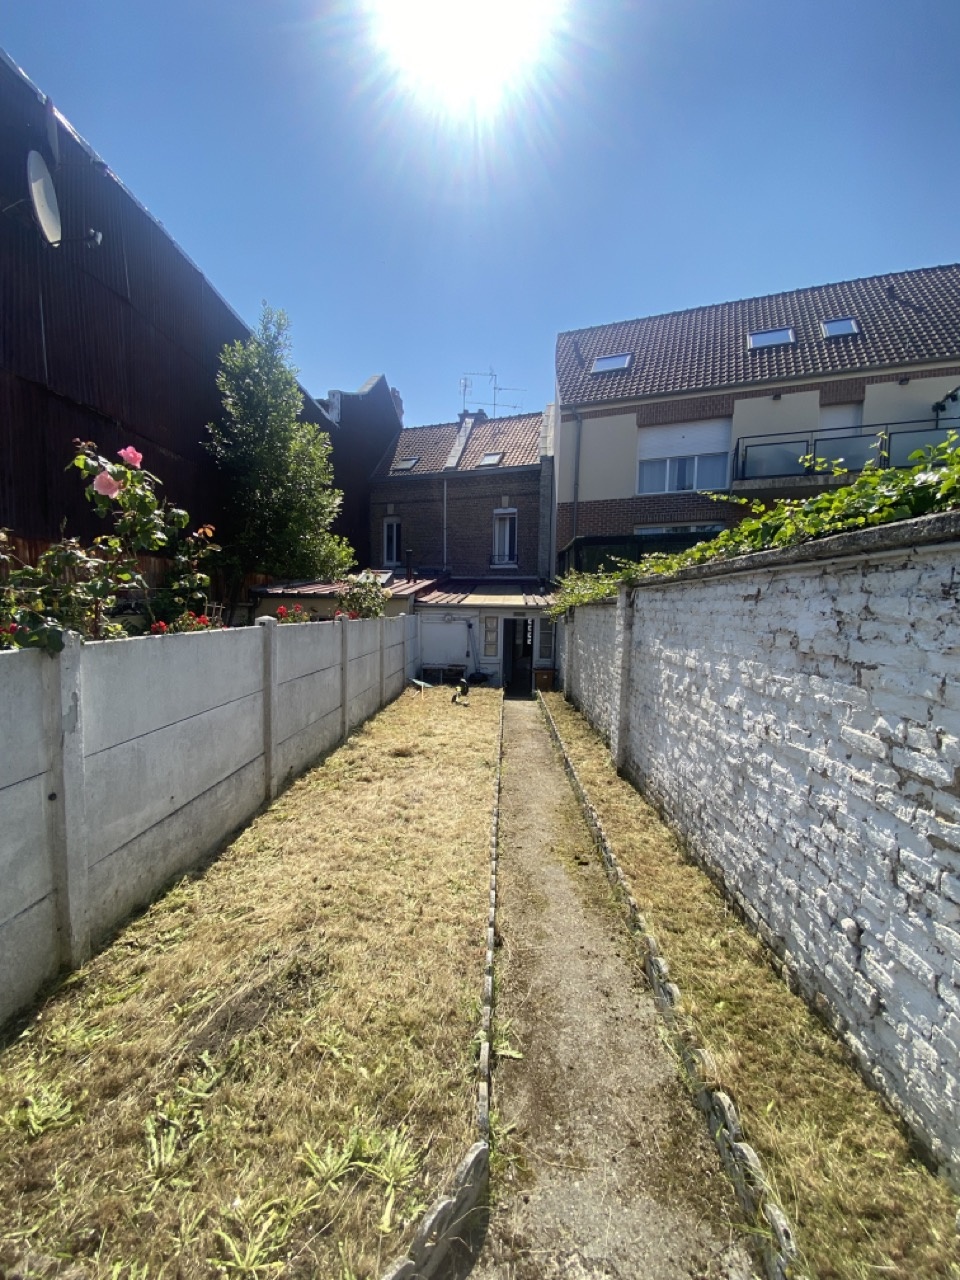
(130, 456)
(106, 485)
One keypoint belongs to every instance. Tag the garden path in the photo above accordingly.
(610, 1172)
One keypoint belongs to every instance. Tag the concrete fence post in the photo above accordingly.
(569, 624)
(621, 728)
(383, 662)
(269, 626)
(344, 678)
(67, 815)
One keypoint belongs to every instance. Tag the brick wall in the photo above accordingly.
(472, 497)
(798, 722)
(622, 515)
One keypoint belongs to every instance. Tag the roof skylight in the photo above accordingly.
(406, 464)
(842, 327)
(490, 460)
(771, 338)
(606, 364)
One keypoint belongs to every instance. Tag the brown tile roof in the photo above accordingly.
(905, 318)
(517, 438)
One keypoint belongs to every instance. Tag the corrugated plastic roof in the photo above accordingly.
(905, 318)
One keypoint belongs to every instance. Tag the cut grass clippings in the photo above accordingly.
(841, 1166)
(270, 1071)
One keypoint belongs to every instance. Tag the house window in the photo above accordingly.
(545, 643)
(391, 541)
(771, 338)
(406, 464)
(840, 328)
(491, 637)
(504, 537)
(490, 460)
(691, 474)
(607, 364)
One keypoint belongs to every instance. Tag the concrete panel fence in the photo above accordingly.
(796, 717)
(125, 763)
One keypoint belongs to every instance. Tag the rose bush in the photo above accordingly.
(73, 587)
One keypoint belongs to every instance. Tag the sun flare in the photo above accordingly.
(466, 58)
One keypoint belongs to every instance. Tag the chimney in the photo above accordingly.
(398, 403)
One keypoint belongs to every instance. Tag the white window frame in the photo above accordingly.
(670, 471)
(851, 331)
(783, 336)
(491, 637)
(546, 631)
(392, 523)
(614, 363)
(506, 516)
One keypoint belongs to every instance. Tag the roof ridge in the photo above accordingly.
(760, 297)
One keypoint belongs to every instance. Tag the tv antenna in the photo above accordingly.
(466, 386)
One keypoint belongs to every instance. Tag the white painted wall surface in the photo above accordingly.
(800, 727)
(123, 764)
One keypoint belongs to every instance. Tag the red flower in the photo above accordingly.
(158, 628)
(281, 611)
(353, 614)
(203, 620)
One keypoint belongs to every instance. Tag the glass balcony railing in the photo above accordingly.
(890, 444)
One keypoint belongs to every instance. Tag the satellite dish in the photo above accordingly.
(52, 132)
(43, 197)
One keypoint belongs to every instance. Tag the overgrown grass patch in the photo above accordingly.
(271, 1069)
(842, 1167)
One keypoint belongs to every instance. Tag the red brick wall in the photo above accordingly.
(622, 515)
(471, 500)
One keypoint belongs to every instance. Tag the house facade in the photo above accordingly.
(656, 413)
(468, 506)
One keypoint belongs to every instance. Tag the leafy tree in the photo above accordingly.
(280, 500)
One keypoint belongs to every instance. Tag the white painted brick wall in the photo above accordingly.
(800, 727)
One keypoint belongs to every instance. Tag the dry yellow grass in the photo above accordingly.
(863, 1204)
(271, 1068)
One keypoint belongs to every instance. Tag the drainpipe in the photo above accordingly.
(444, 524)
(576, 479)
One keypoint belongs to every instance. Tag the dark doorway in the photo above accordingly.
(517, 657)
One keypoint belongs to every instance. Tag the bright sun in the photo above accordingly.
(466, 58)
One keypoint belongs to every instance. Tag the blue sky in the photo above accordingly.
(671, 153)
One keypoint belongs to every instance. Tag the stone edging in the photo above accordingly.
(777, 1243)
(443, 1222)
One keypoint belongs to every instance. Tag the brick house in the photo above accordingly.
(468, 507)
(655, 413)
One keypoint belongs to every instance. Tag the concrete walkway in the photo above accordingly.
(609, 1169)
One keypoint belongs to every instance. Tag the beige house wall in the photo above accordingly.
(762, 415)
(889, 402)
(608, 458)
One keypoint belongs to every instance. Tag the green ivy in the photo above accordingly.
(877, 496)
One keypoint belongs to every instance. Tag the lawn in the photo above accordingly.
(270, 1070)
(864, 1206)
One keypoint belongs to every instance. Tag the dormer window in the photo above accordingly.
(490, 460)
(842, 327)
(771, 338)
(607, 364)
(406, 464)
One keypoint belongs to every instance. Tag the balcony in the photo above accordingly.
(771, 466)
